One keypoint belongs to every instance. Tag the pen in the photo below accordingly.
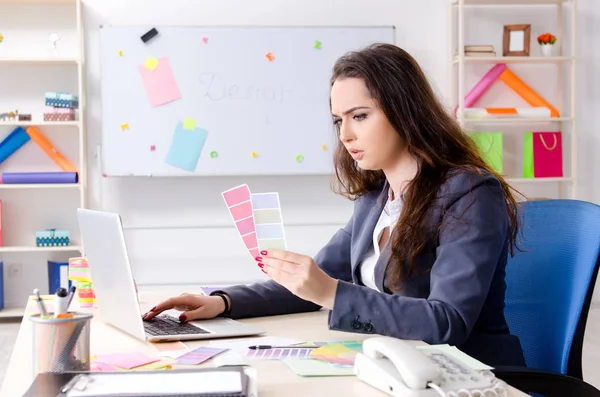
(62, 302)
(71, 295)
(263, 347)
(40, 302)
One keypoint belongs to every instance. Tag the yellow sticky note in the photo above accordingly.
(151, 63)
(189, 124)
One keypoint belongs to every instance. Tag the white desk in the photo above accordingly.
(274, 378)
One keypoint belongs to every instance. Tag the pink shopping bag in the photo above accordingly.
(547, 155)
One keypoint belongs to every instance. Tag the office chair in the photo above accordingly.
(549, 289)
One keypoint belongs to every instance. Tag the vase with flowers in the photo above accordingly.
(546, 42)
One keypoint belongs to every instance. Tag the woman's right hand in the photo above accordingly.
(193, 306)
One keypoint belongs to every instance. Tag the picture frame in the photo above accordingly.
(516, 40)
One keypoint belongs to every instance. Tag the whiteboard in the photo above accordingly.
(222, 100)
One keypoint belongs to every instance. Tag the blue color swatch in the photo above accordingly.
(186, 147)
(274, 230)
(265, 201)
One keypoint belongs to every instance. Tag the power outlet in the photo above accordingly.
(15, 270)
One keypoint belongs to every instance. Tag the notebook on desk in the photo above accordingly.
(202, 382)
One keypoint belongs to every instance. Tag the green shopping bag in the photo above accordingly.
(489, 145)
(528, 155)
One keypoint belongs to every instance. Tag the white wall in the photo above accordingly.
(202, 247)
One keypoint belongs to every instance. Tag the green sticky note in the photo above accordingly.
(189, 124)
(307, 367)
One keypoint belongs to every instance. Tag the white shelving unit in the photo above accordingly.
(29, 56)
(462, 62)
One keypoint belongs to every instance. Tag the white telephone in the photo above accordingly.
(400, 370)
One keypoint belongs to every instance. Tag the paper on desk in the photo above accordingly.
(459, 355)
(243, 344)
(304, 367)
(125, 360)
(170, 349)
(168, 383)
(230, 359)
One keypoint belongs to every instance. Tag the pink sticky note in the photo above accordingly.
(160, 84)
(236, 195)
(241, 211)
(250, 240)
(245, 226)
(125, 360)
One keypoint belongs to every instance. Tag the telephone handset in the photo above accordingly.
(399, 369)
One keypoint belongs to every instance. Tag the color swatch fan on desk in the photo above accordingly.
(257, 218)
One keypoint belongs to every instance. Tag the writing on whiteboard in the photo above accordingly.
(216, 88)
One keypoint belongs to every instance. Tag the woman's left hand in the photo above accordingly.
(300, 275)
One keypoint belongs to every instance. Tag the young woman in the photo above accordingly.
(423, 256)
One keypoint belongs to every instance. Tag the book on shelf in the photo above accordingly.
(480, 54)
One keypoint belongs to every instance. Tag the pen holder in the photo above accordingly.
(61, 344)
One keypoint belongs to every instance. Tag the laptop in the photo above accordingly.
(106, 253)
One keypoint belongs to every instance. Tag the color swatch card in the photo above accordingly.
(161, 86)
(239, 203)
(278, 354)
(199, 355)
(335, 354)
(186, 146)
(268, 221)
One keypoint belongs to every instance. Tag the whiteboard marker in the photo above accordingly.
(61, 302)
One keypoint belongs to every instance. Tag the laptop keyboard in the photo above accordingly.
(167, 325)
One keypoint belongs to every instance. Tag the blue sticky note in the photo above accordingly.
(186, 147)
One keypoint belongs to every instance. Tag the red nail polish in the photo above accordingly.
(144, 316)
(263, 270)
(182, 318)
(258, 259)
(153, 309)
(263, 252)
(261, 265)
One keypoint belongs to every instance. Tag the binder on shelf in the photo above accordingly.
(58, 276)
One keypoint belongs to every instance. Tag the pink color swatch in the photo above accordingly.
(236, 195)
(199, 355)
(547, 155)
(245, 226)
(241, 211)
(239, 203)
(160, 84)
(250, 240)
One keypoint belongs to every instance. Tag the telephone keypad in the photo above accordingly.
(456, 375)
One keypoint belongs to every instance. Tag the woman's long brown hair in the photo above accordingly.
(433, 137)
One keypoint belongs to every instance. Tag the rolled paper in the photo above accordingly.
(525, 92)
(47, 147)
(9, 178)
(483, 84)
(13, 142)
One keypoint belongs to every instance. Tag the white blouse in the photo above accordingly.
(388, 218)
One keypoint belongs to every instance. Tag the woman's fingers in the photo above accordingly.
(171, 303)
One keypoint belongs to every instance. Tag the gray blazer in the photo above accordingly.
(458, 300)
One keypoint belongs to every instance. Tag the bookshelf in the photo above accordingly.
(40, 67)
(461, 65)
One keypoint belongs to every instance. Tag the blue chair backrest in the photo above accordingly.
(547, 284)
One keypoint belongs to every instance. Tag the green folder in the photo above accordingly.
(489, 145)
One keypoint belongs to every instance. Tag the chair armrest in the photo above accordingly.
(549, 384)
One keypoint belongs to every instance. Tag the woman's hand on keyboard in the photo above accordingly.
(193, 306)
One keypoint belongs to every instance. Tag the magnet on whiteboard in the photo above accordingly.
(214, 154)
(152, 148)
(318, 44)
(149, 35)
(254, 154)
(270, 56)
(324, 147)
(299, 158)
